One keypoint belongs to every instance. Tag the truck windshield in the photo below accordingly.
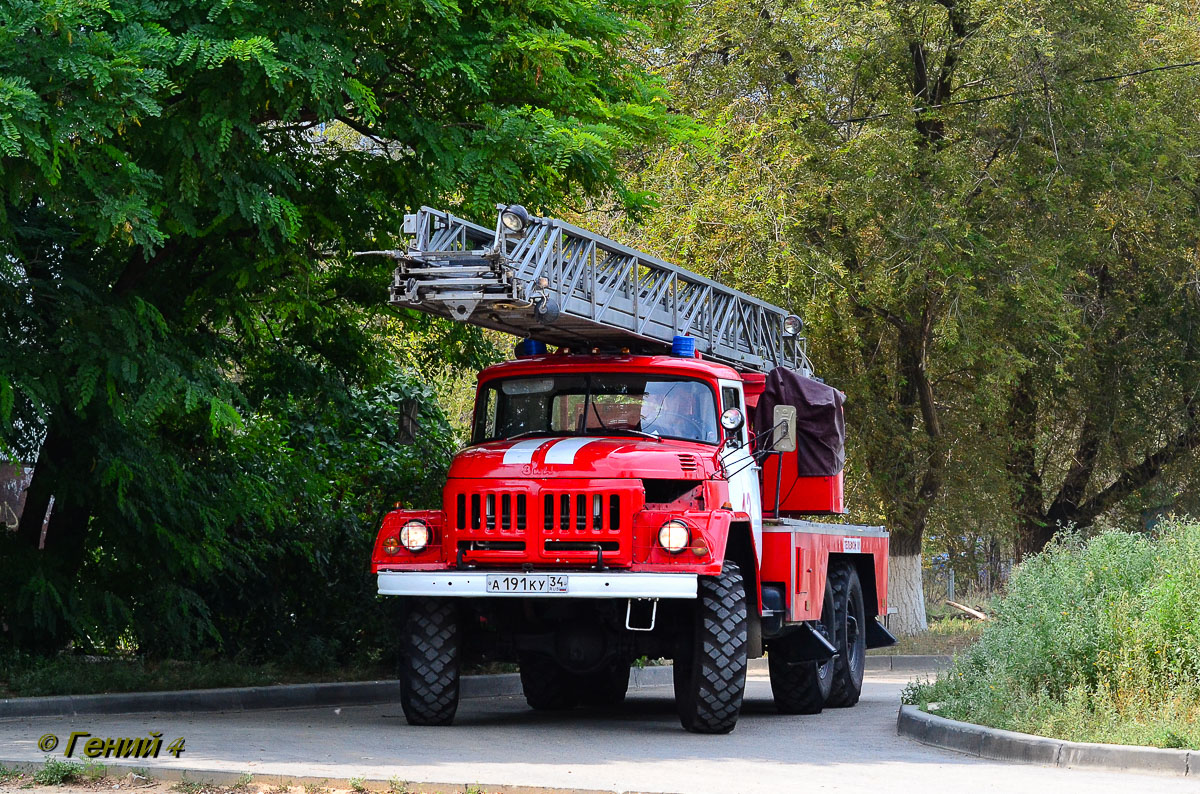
(616, 404)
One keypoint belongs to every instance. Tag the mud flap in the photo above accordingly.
(809, 645)
(878, 636)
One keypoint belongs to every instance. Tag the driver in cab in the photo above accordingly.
(670, 411)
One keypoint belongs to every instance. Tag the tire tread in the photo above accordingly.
(710, 684)
(847, 683)
(430, 664)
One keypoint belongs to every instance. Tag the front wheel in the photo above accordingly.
(851, 621)
(430, 662)
(710, 669)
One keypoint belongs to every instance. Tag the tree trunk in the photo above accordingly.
(46, 473)
(61, 535)
(906, 587)
(906, 593)
(1028, 500)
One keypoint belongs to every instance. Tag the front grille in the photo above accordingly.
(491, 511)
(581, 511)
(549, 521)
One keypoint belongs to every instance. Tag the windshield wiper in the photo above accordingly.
(618, 430)
(528, 433)
(642, 433)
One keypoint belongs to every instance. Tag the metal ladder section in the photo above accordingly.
(560, 284)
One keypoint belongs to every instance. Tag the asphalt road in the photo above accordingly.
(641, 748)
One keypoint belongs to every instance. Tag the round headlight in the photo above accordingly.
(391, 545)
(674, 536)
(515, 218)
(792, 325)
(732, 419)
(414, 535)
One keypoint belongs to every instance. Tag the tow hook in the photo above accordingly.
(600, 558)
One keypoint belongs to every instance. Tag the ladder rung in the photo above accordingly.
(456, 282)
(447, 269)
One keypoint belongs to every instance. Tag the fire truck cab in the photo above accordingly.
(610, 507)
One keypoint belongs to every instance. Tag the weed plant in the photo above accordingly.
(55, 772)
(1095, 640)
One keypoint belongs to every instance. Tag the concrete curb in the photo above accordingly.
(343, 694)
(1001, 745)
(221, 778)
(274, 697)
(908, 663)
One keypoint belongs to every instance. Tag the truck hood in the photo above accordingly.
(586, 456)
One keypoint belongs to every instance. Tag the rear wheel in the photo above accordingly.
(851, 638)
(710, 669)
(606, 687)
(802, 687)
(429, 666)
(547, 686)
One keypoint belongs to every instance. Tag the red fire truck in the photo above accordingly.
(640, 481)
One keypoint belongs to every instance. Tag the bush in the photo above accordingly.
(267, 556)
(1095, 640)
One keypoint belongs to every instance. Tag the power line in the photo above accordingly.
(1019, 92)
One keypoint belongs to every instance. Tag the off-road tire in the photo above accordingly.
(605, 688)
(802, 687)
(547, 686)
(429, 664)
(710, 667)
(851, 620)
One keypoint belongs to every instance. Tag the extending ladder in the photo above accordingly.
(557, 283)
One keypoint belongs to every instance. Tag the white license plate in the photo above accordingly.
(526, 583)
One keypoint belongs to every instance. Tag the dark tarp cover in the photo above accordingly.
(821, 428)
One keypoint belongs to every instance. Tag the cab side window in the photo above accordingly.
(485, 416)
(731, 397)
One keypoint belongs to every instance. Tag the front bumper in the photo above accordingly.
(582, 584)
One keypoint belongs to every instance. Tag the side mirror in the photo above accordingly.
(784, 429)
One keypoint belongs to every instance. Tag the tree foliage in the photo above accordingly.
(192, 362)
(966, 217)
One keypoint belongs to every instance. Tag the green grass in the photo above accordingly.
(1094, 641)
(7, 774)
